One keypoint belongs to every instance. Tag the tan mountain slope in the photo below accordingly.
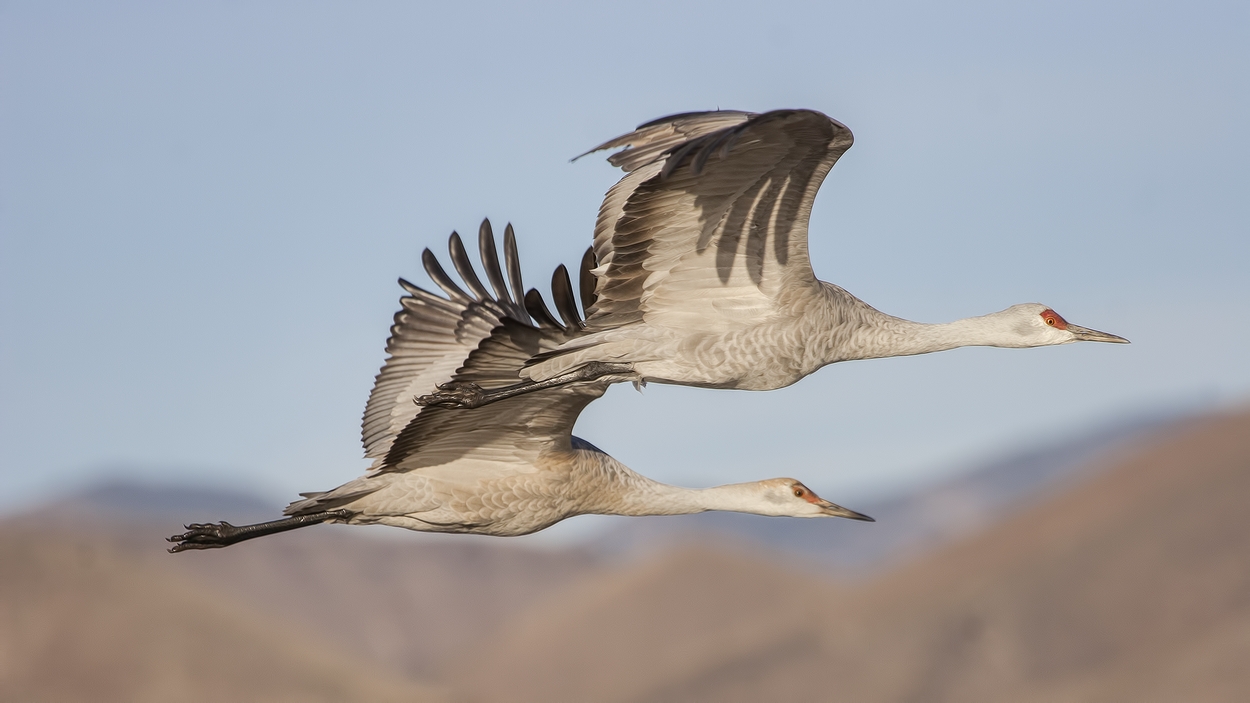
(1105, 593)
(405, 601)
(1134, 586)
(81, 621)
(408, 603)
(614, 636)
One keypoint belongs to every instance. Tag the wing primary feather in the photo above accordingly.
(562, 296)
(410, 287)
(513, 262)
(416, 292)
(460, 257)
(419, 297)
(490, 262)
(440, 277)
(586, 281)
(538, 310)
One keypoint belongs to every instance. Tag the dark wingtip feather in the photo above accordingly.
(460, 259)
(490, 262)
(538, 310)
(562, 296)
(512, 261)
(411, 287)
(419, 297)
(586, 281)
(440, 277)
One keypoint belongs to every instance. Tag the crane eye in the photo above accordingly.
(1054, 319)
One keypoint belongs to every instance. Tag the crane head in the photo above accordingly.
(787, 497)
(1037, 325)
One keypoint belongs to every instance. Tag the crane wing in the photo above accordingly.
(709, 229)
(432, 335)
(514, 431)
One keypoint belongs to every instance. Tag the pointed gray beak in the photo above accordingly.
(1085, 334)
(834, 510)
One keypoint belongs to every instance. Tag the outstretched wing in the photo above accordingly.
(432, 335)
(512, 432)
(709, 229)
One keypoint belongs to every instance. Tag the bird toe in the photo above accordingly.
(456, 394)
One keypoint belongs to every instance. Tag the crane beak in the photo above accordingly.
(834, 510)
(1085, 334)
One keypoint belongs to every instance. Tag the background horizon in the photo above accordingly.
(203, 211)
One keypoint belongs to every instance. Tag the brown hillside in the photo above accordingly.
(81, 621)
(403, 601)
(408, 603)
(616, 636)
(1132, 587)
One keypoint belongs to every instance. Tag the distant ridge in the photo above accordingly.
(1124, 582)
(134, 501)
(100, 623)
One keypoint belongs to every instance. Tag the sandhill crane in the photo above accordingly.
(509, 469)
(703, 276)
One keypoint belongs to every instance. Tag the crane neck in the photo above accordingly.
(899, 337)
(657, 498)
(619, 490)
(859, 331)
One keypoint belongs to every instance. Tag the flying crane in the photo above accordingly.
(702, 275)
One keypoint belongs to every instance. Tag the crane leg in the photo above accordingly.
(466, 394)
(223, 534)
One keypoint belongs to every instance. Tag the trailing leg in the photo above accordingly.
(223, 534)
(464, 394)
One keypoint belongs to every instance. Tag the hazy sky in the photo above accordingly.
(204, 208)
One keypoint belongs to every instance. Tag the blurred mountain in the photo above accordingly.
(1105, 568)
(407, 602)
(122, 501)
(84, 621)
(1133, 586)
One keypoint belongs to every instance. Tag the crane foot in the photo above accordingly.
(205, 536)
(209, 535)
(456, 394)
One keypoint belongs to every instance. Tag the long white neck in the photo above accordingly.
(858, 331)
(898, 337)
(620, 491)
(655, 498)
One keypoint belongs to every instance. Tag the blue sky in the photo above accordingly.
(204, 208)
